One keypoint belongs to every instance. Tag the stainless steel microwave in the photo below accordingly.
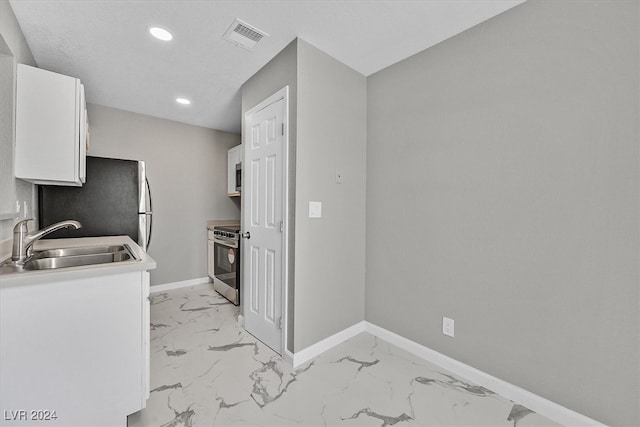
(238, 177)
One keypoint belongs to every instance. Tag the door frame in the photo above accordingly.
(284, 95)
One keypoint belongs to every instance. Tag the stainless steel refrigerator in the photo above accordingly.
(114, 201)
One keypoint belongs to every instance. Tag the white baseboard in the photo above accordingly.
(288, 357)
(538, 404)
(320, 347)
(176, 285)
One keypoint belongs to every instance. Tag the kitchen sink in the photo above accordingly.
(74, 257)
(51, 259)
(85, 250)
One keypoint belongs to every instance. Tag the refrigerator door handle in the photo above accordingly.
(149, 213)
(144, 211)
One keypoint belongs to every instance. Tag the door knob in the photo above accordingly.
(246, 235)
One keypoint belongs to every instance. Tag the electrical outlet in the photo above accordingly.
(448, 326)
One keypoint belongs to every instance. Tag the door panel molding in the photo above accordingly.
(265, 215)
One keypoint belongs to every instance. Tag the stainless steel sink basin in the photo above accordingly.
(75, 261)
(74, 257)
(85, 250)
(60, 258)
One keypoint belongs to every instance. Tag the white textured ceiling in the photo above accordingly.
(105, 44)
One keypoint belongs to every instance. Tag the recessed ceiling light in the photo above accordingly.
(160, 33)
(183, 101)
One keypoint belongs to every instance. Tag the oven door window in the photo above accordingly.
(225, 264)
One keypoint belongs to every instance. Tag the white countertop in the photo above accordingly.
(25, 278)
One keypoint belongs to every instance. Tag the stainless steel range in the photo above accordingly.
(226, 261)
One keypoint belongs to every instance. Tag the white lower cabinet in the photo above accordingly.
(146, 337)
(75, 352)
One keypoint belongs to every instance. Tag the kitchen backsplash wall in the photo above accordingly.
(187, 170)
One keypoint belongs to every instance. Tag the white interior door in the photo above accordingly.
(263, 218)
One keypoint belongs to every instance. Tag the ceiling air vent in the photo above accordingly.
(244, 35)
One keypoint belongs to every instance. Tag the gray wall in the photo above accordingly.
(505, 160)
(13, 49)
(330, 251)
(187, 170)
(281, 71)
(327, 128)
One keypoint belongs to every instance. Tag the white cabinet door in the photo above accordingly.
(74, 347)
(82, 144)
(146, 339)
(50, 127)
(234, 156)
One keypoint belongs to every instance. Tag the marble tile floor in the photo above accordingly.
(207, 371)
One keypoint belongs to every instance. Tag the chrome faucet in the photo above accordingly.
(22, 240)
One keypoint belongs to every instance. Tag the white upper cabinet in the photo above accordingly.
(234, 157)
(51, 128)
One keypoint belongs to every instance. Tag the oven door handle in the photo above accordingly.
(226, 243)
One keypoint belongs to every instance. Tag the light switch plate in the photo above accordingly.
(338, 176)
(315, 209)
(448, 327)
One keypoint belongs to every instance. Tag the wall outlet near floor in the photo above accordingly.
(448, 326)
